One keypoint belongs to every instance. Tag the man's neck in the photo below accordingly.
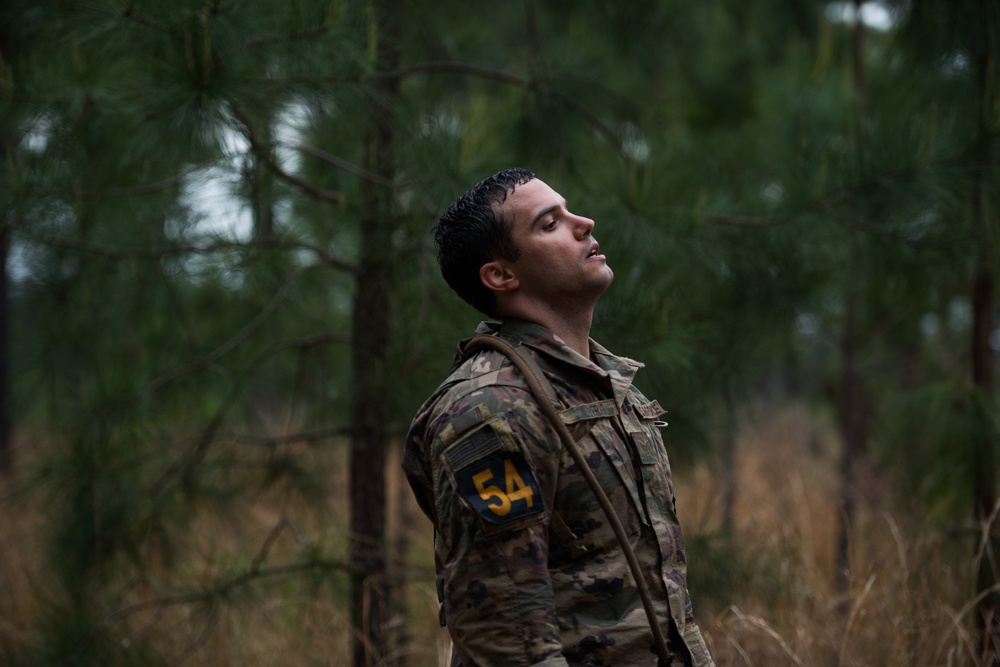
(572, 328)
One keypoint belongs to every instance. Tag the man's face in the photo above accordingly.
(560, 263)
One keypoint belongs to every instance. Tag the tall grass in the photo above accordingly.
(765, 595)
(260, 580)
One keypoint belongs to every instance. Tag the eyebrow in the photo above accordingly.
(545, 212)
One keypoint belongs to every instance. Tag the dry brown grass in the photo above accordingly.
(766, 599)
(907, 604)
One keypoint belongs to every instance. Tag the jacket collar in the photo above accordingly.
(619, 371)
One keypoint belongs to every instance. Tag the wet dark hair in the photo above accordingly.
(473, 231)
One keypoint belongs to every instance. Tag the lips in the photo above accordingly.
(594, 250)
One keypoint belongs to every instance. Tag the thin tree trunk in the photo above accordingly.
(401, 565)
(6, 445)
(8, 49)
(852, 432)
(369, 375)
(729, 476)
(258, 173)
(851, 416)
(983, 304)
(983, 464)
(261, 182)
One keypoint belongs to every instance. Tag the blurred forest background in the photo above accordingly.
(221, 307)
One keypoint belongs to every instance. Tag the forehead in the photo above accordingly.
(529, 200)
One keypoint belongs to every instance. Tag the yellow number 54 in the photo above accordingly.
(516, 489)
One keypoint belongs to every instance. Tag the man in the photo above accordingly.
(529, 570)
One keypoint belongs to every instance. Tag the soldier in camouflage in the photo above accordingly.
(529, 572)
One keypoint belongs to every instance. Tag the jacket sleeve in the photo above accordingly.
(494, 483)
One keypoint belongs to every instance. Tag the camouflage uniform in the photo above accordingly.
(529, 571)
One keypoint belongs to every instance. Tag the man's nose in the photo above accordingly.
(584, 226)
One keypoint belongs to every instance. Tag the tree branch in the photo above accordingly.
(447, 66)
(146, 23)
(209, 359)
(290, 37)
(264, 152)
(313, 191)
(342, 164)
(502, 76)
(323, 258)
(222, 589)
(315, 435)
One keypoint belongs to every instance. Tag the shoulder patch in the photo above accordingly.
(496, 482)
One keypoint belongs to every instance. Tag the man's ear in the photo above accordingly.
(498, 277)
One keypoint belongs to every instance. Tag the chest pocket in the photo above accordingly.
(603, 428)
(642, 421)
(580, 419)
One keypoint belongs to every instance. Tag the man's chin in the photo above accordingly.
(607, 283)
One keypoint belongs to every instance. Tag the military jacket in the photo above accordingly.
(529, 570)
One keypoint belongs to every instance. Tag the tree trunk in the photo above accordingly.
(852, 431)
(369, 376)
(401, 564)
(6, 445)
(983, 304)
(851, 417)
(983, 464)
(261, 182)
(729, 474)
